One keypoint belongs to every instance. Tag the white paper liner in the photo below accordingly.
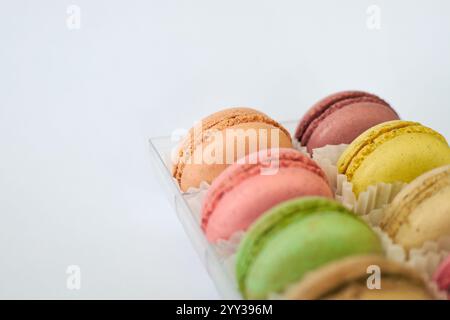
(426, 258)
(194, 198)
(327, 158)
(374, 197)
(297, 146)
(227, 248)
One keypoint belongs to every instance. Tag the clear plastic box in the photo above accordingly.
(160, 149)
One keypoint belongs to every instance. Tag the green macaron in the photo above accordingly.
(296, 237)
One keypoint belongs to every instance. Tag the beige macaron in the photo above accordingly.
(352, 278)
(222, 138)
(421, 211)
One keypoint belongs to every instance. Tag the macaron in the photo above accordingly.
(365, 277)
(442, 276)
(394, 151)
(242, 192)
(296, 237)
(421, 211)
(341, 117)
(222, 138)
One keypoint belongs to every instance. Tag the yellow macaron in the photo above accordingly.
(394, 151)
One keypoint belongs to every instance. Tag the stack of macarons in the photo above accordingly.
(299, 242)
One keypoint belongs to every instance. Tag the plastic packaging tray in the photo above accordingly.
(160, 150)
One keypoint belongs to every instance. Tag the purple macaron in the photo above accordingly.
(341, 117)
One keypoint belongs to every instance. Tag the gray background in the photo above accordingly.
(77, 108)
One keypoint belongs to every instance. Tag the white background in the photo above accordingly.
(77, 108)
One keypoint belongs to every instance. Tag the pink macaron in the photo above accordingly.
(245, 190)
(341, 117)
(442, 276)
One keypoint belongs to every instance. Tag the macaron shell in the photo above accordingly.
(421, 211)
(367, 138)
(193, 137)
(401, 159)
(321, 106)
(295, 237)
(205, 170)
(242, 205)
(345, 124)
(427, 222)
